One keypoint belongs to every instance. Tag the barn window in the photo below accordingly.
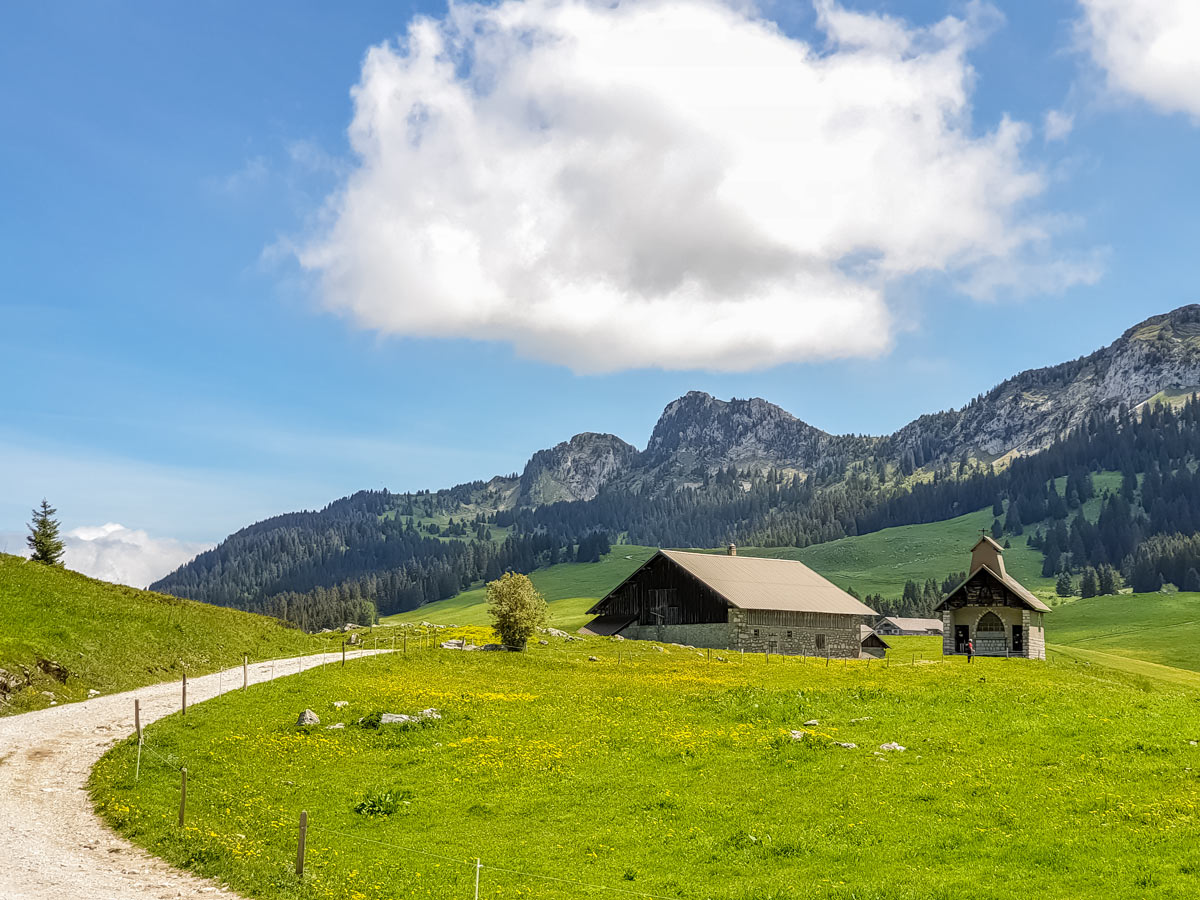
(820, 642)
(990, 622)
(789, 635)
(756, 632)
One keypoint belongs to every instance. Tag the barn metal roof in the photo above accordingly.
(753, 582)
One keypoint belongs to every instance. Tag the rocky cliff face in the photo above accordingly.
(1027, 412)
(575, 469)
(698, 430)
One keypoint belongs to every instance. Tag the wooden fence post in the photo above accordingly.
(182, 794)
(185, 693)
(343, 652)
(406, 643)
(300, 846)
(245, 671)
(137, 718)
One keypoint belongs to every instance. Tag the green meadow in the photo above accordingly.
(1162, 628)
(661, 771)
(569, 588)
(111, 638)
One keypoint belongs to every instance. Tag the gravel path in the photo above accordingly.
(52, 846)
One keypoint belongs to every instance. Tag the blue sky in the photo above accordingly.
(173, 362)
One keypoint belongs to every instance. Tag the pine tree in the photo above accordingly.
(1087, 584)
(997, 507)
(43, 537)
(1107, 580)
(1191, 581)
(1063, 586)
(1012, 522)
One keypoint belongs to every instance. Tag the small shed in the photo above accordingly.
(993, 610)
(872, 644)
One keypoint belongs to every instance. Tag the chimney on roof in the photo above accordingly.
(732, 550)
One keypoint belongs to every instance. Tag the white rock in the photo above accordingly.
(335, 727)
(340, 704)
(811, 723)
(847, 745)
(308, 717)
(892, 745)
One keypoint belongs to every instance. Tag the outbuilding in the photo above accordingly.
(993, 610)
(734, 602)
(893, 625)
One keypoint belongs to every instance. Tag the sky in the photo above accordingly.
(259, 256)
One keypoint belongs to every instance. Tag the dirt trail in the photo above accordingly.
(52, 846)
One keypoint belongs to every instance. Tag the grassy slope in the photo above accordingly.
(882, 561)
(569, 589)
(675, 776)
(113, 638)
(1159, 628)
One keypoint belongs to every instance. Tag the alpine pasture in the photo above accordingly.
(658, 770)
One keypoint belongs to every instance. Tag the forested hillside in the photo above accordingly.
(747, 471)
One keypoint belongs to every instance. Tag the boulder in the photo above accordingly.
(352, 640)
(350, 626)
(92, 692)
(892, 745)
(555, 632)
(798, 735)
(458, 644)
(811, 723)
(335, 727)
(544, 643)
(55, 670)
(308, 717)
(848, 746)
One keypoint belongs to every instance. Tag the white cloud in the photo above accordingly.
(1058, 125)
(670, 183)
(122, 555)
(1148, 49)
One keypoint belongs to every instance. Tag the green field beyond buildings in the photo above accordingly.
(583, 768)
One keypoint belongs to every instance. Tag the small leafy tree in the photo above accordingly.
(516, 607)
(43, 537)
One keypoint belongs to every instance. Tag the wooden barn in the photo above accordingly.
(992, 609)
(733, 602)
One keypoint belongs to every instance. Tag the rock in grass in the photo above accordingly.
(798, 735)
(493, 647)
(892, 745)
(335, 727)
(308, 717)
(555, 632)
(848, 746)
(92, 692)
(811, 723)
(544, 643)
(340, 704)
(593, 659)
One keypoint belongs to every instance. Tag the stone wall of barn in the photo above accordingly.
(795, 633)
(715, 635)
(763, 631)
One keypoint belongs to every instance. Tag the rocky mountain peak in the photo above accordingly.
(700, 430)
(575, 469)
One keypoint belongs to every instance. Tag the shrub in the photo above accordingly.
(517, 609)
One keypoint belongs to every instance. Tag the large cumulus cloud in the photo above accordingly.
(672, 183)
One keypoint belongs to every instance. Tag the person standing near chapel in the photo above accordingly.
(970, 651)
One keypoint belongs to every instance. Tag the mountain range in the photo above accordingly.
(711, 470)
